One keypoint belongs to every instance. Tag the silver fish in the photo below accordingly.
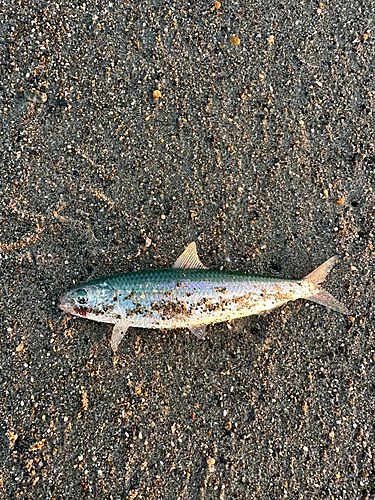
(189, 296)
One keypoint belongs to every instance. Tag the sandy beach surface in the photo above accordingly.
(128, 130)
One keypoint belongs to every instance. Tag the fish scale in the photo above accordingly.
(197, 290)
(189, 295)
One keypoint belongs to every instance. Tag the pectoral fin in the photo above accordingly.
(198, 330)
(118, 333)
(189, 259)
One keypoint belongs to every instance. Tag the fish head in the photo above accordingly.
(89, 301)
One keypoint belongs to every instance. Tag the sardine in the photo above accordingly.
(189, 296)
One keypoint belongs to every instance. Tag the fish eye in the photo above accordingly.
(81, 296)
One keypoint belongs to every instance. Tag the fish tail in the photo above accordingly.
(319, 295)
(320, 273)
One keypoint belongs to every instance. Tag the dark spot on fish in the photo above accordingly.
(221, 289)
(170, 309)
(104, 308)
(139, 309)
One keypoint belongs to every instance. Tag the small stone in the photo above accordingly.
(61, 102)
(20, 347)
(35, 96)
(234, 40)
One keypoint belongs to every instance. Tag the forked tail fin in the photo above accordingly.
(319, 295)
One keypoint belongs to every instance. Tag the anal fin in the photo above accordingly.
(198, 330)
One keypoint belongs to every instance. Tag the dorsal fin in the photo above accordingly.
(189, 259)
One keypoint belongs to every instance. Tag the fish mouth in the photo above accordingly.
(66, 306)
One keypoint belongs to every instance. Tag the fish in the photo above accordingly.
(189, 295)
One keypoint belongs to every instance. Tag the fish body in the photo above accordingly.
(188, 296)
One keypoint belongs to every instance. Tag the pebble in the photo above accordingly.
(234, 40)
(35, 96)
